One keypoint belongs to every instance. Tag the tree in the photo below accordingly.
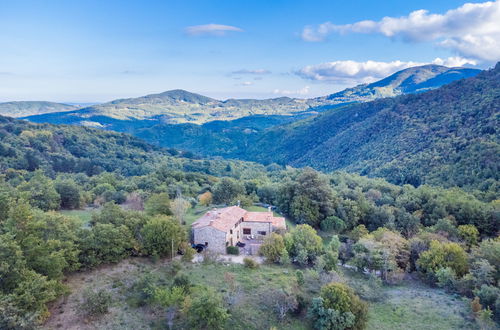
(158, 204)
(33, 293)
(308, 199)
(69, 192)
(489, 249)
(282, 302)
(442, 255)
(12, 263)
(273, 248)
(163, 236)
(340, 297)
(105, 243)
(359, 232)
(327, 318)
(179, 207)
(41, 193)
(469, 234)
(205, 198)
(331, 256)
(226, 190)
(204, 309)
(303, 244)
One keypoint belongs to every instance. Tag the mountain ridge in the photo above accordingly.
(180, 106)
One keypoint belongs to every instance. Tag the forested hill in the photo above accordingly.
(32, 108)
(180, 106)
(72, 149)
(448, 136)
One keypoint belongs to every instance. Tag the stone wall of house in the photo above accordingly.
(216, 239)
(255, 228)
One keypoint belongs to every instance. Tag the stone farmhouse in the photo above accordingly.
(227, 226)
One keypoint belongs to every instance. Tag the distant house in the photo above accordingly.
(227, 226)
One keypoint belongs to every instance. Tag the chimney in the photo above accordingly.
(239, 203)
(269, 208)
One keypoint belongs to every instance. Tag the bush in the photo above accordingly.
(273, 248)
(182, 281)
(204, 309)
(300, 277)
(341, 298)
(250, 263)
(446, 278)
(233, 250)
(95, 303)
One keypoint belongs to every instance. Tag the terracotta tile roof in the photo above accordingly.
(226, 218)
(221, 219)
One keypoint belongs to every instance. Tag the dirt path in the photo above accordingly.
(230, 258)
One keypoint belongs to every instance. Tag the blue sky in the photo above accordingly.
(96, 51)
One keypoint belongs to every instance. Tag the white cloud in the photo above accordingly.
(211, 30)
(472, 30)
(350, 72)
(255, 71)
(300, 92)
(245, 83)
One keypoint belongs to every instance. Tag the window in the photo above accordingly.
(263, 233)
(206, 243)
(247, 231)
(231, 231)
(227, 243)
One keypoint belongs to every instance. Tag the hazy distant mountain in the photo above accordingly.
(412, 80)
(30, 108)
(180, 106)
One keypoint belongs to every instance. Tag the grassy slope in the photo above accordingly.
(83, 216)
(407, 306)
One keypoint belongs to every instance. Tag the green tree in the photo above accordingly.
(443, 255)
(273, 248)
(158, 204)
(105, 243)
(69, 192)
(162, 236)
(469, 234)
(303, 244)
(324, 318)
(204, 309)
(226, 190)
(41, 193)
(12, 263)
(340, 297)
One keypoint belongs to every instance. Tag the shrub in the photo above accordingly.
(327, 318)
(250, 263)
(95, 303)
(340, 297)
(273, 248)
(204, 309)
(300, 277)
(446, 278)
(182, 281)
(232, 250)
